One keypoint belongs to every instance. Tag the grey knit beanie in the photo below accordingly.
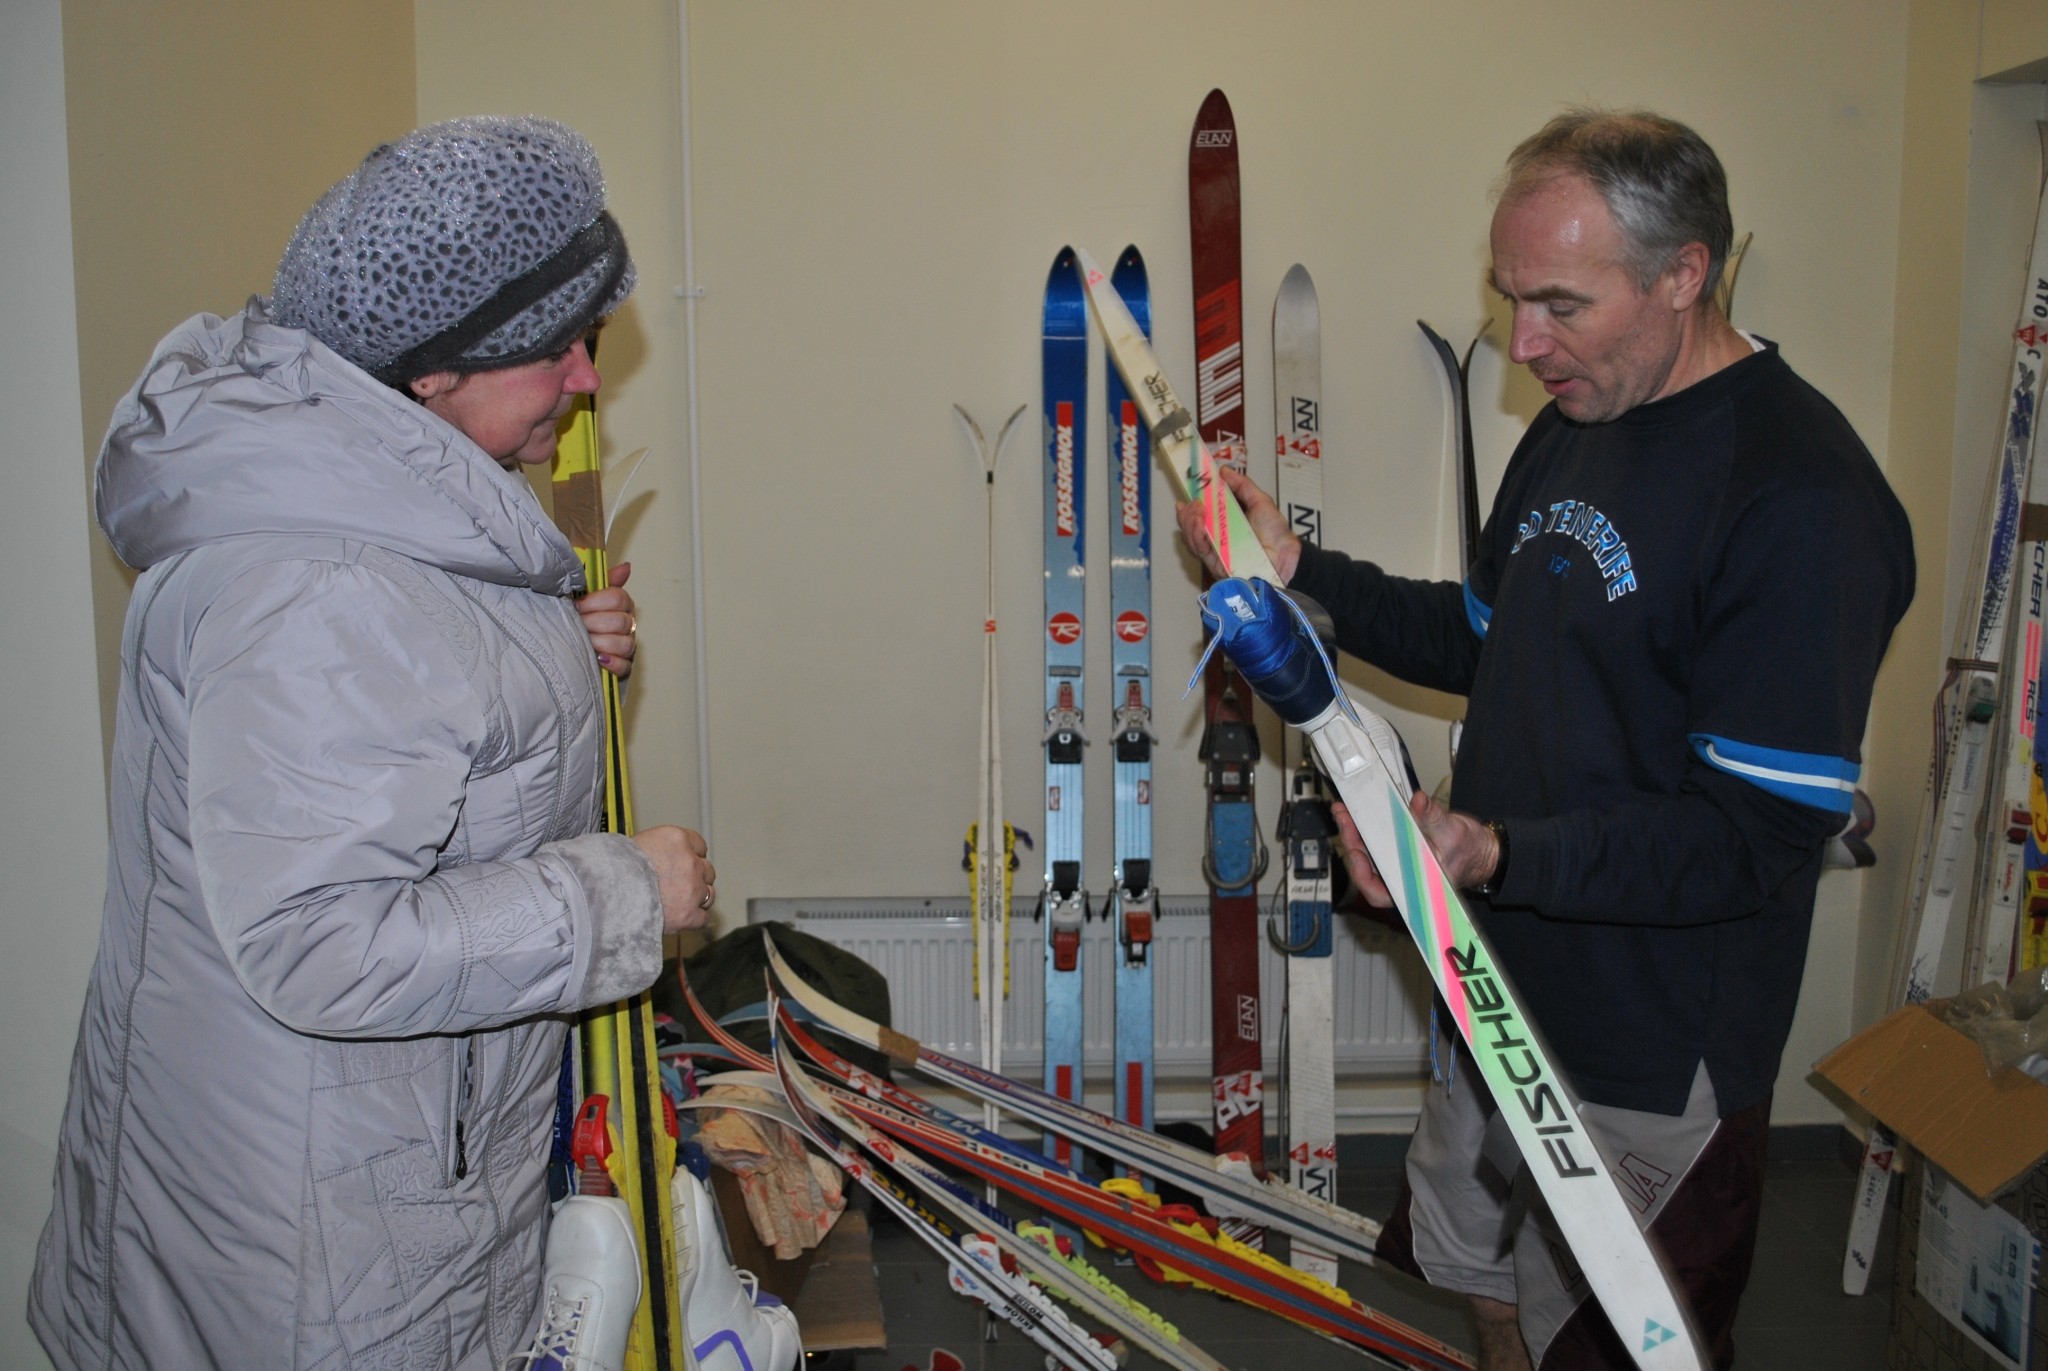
(464, 246)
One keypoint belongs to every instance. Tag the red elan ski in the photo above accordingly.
(1235, 854)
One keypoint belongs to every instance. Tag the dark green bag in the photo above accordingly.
(728, 975)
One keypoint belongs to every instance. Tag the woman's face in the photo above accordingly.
(511, 413)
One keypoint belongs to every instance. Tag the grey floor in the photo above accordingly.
(1794, 1315)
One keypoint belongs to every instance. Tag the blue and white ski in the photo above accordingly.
(1133, 901)
(1063, 906)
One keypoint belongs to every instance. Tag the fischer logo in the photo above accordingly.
(1131, 626)
(1063, 476)
(1499, 1032)
(1064, 628)
(1214, 138)
(1129, 468)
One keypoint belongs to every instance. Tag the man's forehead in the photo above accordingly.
(1551, 239)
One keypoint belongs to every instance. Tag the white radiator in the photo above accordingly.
(925, 949)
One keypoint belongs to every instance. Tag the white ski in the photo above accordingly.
(1306, 828)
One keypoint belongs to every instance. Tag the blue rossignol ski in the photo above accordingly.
(1133, 902)
(1306, 827)
(1064, 904)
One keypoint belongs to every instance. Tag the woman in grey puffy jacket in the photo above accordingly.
(355, 893)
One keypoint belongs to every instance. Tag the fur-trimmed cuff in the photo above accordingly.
(624, 899)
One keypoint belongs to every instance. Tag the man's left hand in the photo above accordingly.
(1464, 847)
(608, 619)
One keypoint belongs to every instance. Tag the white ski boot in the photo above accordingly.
(729, 1324)
(590, 1286)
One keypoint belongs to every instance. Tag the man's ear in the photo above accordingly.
(433, 385)
(1686, 277)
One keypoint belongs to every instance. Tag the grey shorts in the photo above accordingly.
(1471, 1219)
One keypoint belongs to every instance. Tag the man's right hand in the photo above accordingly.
(1268, 523)
(686, 875)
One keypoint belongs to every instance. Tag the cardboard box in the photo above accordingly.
(1926, 1082)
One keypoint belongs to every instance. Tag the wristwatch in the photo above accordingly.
(1490, 887)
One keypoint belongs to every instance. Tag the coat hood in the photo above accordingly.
(242, 425)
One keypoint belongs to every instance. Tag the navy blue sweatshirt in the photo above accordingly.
(1668, 641)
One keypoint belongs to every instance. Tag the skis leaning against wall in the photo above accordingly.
(1965, 708)
(1063, 905)
(991, 841)
(1234, 855)
(1306, 827)
(1133, 901)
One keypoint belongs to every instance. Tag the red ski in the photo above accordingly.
(1235, 853)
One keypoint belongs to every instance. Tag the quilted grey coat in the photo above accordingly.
(354, 889)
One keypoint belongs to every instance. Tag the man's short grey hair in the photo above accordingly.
(1662, 183)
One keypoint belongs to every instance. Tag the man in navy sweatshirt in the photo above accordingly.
(1668, 643)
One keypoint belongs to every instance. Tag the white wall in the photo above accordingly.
(53, 805)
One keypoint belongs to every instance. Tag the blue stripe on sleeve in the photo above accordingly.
(1812, 779)
(1477, 612)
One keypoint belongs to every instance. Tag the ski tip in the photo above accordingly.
(1215, 129)
(1078, 261)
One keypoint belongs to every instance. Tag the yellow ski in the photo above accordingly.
(618, 1048)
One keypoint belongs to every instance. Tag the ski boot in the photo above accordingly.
(590, 1286)
(729, 1324)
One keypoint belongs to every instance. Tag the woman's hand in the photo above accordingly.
(608, 619)
(687, 878)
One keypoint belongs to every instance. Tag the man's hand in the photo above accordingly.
(686, 875)
(1465, 848)
(608, 619)
(1268, 523)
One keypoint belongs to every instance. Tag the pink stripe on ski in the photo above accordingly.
(1436, 892)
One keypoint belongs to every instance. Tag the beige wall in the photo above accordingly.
(879, 192)
(200, 131)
